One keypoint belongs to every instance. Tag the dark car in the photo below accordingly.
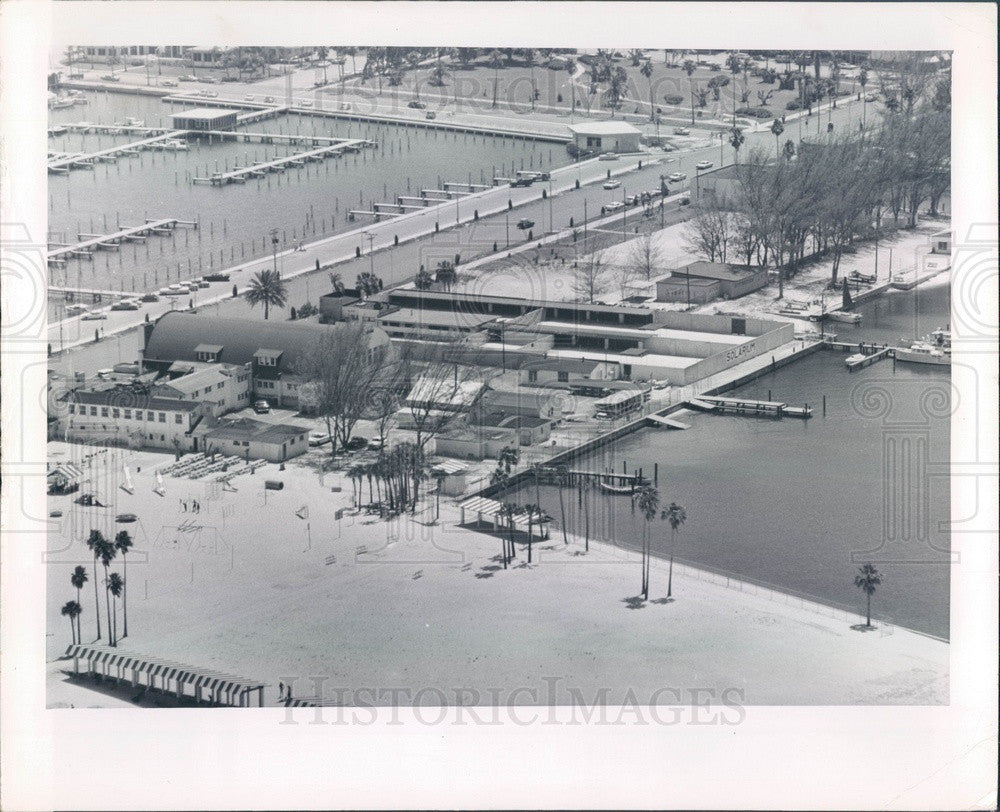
(150, 297)
(216, 277)
(522, 182)
(356, 443)
(416, 105)
(525, 224)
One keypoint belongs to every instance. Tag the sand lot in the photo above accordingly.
(248, 587)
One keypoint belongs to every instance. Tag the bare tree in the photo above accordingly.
(709, 230)
(591, 279)
(646, 258)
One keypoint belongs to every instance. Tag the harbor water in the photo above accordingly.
(298, 205)
(799, 505)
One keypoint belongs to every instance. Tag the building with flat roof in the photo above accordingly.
(605, 136)
(723, 279)
(254, 439)
(204, 118)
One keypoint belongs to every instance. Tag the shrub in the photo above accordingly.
(718, 81)
(672, 99)
(307, 310)
(754, 112)
(794, 104)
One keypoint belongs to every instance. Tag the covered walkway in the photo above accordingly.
(140, 670)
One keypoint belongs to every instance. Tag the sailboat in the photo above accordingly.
(127, 485)
(845, 314)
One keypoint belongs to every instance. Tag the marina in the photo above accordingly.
(111, 242)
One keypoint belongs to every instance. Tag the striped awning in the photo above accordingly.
(167, 670)
(68, 471)
(480, 505)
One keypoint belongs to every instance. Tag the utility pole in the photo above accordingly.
(274, 250)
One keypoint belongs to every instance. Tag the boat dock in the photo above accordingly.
(753, 408)
(862, 355)
(259, 170)
(855, 363)
(88, 159)
(95, 242)
(549, 475)
(668, 422)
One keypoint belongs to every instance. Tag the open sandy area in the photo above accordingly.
(248, 587)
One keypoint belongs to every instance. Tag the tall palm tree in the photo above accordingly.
(647, 499)
(72, 610)
(777, 128)
(647, 71)
(509, 510)
(863, 80)
(123, 543)
(78, 579)
(615, 94)
(496, 62)
(115, 587)
(675, 515)
(867, 579)
(571, 70)
(267, 288)
(96, 541)
(338, 284)
(530, 61)
(107, 554)
(736, 139)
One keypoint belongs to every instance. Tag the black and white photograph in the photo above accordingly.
(504, 379)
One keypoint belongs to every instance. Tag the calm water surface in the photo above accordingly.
(800, 504)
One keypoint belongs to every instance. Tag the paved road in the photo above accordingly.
(419, 244)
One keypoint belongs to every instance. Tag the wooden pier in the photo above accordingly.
(95, 242)
(744, 406)
(548, 475)
(668, 422)
(258, 170)
(86, 160)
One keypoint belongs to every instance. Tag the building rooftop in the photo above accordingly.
(204, 113)
(604, 128)
(723, 271)
(129, 398)
(445, 319)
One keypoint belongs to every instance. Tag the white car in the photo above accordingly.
(612, 184)
(703, 165)
(168, 83)
(318, 438)
(677, 177)
(614, 205)
(608, 156)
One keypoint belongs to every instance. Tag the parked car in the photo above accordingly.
(524, 224)
(110, 77)
(703, 165)
(614, 205)
(416, 105)
(187, 77)
(318, 438)
(125, 304)
(261, 406)
(682, 131)
(150, 297)
(217, 277)
(94, 316)
(356, 443)
(632, 200)
(608, 156)
(677, 177)
(612, 184)
(168, 83)
(269, 100)
(524, 181)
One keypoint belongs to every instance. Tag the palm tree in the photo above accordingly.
(736, 138)
(647, 499)
(96, 541)
(530, 61)
(424, 280)
(867, 579)
(863, 80)
(675, 515)
(777, 128)
(108, 553)
(72, 610)
(337, 283)
(115, 587)
(267, 288)
(789, 149)
(123, 543)
(615, 94)
(647, 71)
(571, 69)
(78, 579)
(496, 62)
(367, 283)
(446, 275)
(509, 510)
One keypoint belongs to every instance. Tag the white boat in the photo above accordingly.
(844, 316)
(920, 353)
(176, 145)
(853, 359)
(61, 102)
(131, 122)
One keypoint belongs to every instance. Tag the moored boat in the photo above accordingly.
(921, 353)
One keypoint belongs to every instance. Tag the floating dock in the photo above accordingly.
(86, 160)
(744, 406)
(668, 422)
(95, 242)
(258, 170)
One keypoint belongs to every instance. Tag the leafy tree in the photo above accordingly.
(446, 275)
(124, 543)
(424, 280)
(78, 579)
(615, 94)
(368, 284)
(96, 542)
(72, 610)
(867, 579)
(736, 139)
(647, 499)
(675, 516)
(267, 288)
(647, 71)
(115, 587)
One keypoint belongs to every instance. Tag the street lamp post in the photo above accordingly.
(274, 250)
(371, 250)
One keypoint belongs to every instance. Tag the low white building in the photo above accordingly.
(605, 136)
